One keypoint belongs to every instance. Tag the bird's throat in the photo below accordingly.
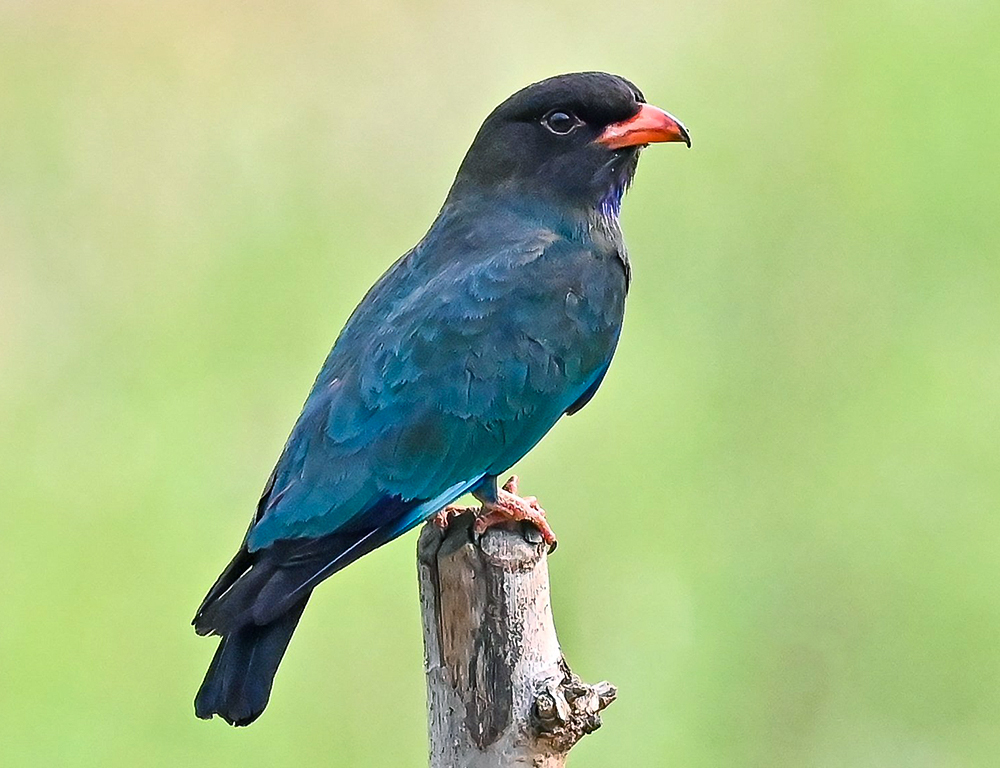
(610, 205)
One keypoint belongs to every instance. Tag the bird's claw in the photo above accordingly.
(511, 485)
(510, 506)
(443, 518)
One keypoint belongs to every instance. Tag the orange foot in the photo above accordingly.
(508, 506)
(443, 518)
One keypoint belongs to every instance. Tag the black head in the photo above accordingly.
(572, 140)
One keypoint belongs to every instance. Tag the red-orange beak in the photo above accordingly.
(650, 124)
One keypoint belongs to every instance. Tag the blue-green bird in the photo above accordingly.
(460, 358)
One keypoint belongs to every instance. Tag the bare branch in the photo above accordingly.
(499, 691)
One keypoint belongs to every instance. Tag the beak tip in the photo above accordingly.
(685, 136)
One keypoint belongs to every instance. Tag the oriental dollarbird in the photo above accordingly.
(459, 359)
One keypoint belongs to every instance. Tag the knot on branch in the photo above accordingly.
(566, 710)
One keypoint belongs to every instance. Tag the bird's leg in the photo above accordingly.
(503, 505)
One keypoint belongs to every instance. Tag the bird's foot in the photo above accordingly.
(443, 518)
(509, 506)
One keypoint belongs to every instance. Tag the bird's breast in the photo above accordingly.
(571, 305)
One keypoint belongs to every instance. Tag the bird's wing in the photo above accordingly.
(406, 404)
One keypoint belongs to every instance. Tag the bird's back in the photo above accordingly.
(454, 365)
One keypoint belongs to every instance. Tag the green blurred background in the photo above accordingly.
(779, 517)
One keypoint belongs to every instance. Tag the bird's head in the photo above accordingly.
(571, 141)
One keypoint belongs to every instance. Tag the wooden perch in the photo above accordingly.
(499, 692)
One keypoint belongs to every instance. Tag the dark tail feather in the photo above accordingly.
(238, 683)
(257, 601)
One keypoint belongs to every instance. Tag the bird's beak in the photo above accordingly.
(650, 124)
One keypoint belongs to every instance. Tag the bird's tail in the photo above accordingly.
(238, 682)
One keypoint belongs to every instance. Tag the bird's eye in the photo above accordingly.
(560, 122)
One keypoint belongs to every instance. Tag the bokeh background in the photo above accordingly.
(778, 520)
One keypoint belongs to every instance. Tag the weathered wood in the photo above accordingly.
(499, 692)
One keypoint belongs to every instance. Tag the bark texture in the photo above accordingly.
(499, 692)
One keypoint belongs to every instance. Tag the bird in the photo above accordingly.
(503, 318)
